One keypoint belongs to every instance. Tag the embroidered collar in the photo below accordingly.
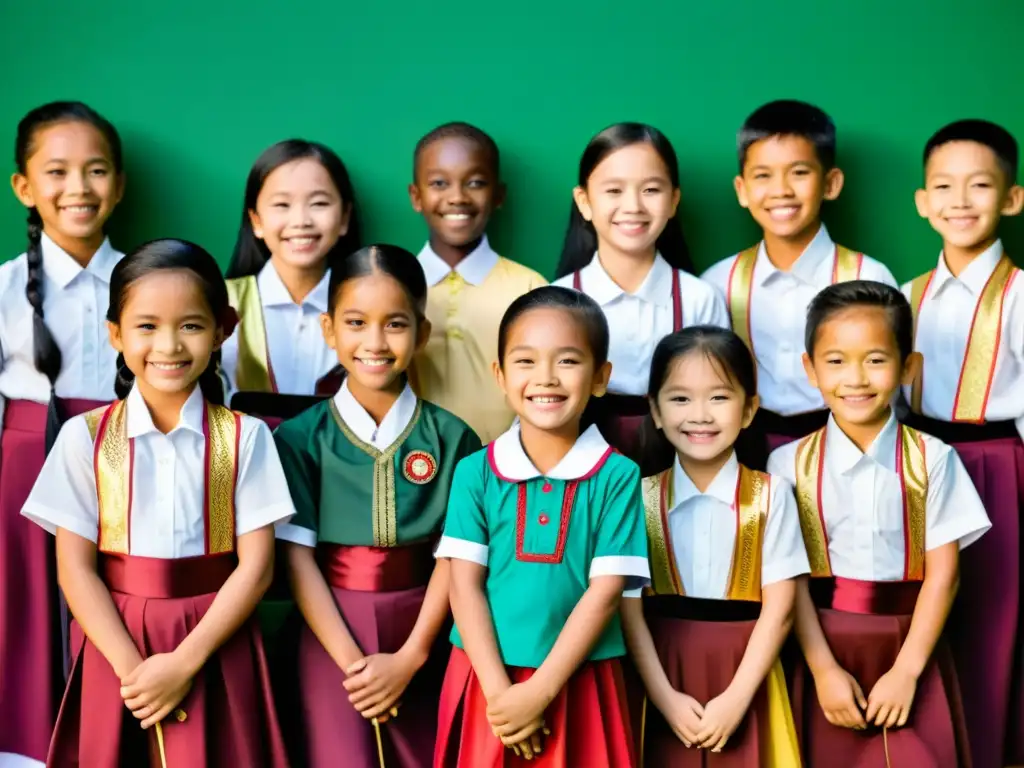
(140, 422)
(510, 462)
(273, 292)
(655, 289)
(365, 428)
(61, 268)
(722, 488)
(813, 264)
(473, 269)
(975, 275)
(844, 455)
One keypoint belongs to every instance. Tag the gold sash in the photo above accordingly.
(979, 365)
(114, 459)
(753, 495)
(846, 266)
(252, 372)
(913, 473)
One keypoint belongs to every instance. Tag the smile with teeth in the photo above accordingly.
(700, 436)
(784, 211)
(80, 208)
(546, 399)
(856, 399)
(376, 362)
(962, 222)
(168, 366)
(457, 216)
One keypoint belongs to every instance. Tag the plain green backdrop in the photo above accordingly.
(197, 93)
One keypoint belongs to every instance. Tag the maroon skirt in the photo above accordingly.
(30, 634)
(379, 592)
(865, 624)
(227, 718)
(588, 721)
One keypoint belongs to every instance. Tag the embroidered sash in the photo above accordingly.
(913, 474)
(253, 372)
(753, 496)
(979, 365)
(846, 265)
(114, 464)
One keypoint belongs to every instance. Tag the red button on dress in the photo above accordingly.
(546, 488)
(543, 519)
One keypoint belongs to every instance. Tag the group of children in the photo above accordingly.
(520, 522)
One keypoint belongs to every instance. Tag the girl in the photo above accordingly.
(54, 362)
(536, 663)
(370, 472)
(624, 248)
(299, 219)
(163, 505)
(725, 548)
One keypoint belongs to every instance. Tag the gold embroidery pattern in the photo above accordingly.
(113, 465)
(385, 508)
(809, 455)
(738, 293)
(846, 266)
(913, 472)
(918, 289)
(93, 419)
(657, 491)
(223, 427)
(252, 372)
(753, 495)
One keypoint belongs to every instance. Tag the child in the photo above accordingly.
(624, 248)
(536, 664)
(969, 319)
(725, 550)
(54, 363)
(163, 505)
(787, 153)
(457, 186)
(370, 472)
(884, 511)
(298, 221)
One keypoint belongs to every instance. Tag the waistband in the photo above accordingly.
(880, 598)
(155, 577)
(377, 569)
(30, 416)
(701, 609)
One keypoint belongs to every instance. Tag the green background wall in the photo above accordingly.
(199, 92)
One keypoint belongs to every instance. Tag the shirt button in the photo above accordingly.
(543, 519)
(546, 488)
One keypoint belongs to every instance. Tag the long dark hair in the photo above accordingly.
(251, 253)
(159, 255)
(580, 237)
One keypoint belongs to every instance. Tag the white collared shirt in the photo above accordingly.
(514, 466)
(862, 502)
(638, 321)
(168, 486)
(299, 356)
(943, 330)
(474, 268)
(778, 318)
(75, 310)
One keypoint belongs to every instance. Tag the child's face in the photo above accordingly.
(629, 198)
(857, 366)
(300, 214)
(71, 180)
(548, 373)
(456, 189)
(374, 331)
(166, 332)
(966, 193)
(700, 409)
(783, 185)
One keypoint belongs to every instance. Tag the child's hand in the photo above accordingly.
(375, 683)
(841, 698)
(531, 747)
(890, 700)
(155, 687)
(517, 713)
(722, 716)
(683, 714)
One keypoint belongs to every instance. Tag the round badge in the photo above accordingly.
(419, 467)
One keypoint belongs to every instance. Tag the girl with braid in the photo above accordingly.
(54, 362)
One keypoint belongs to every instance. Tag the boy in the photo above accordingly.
(969, 315)
(885, 511)
(787, 152)
(456, 187)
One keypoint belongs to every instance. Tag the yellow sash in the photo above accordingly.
(253, 372)
(753, 495)
(114, 459)
(913, 473)
(846, 266)
(979, 365)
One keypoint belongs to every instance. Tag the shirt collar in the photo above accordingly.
(807, 267)
(975, 275)
(273, 292)
(365, 428)
(510, 462)
(140, 422)
(61, 268)
(655, 289)
(722, 488)
(844, 455)
(474, 268)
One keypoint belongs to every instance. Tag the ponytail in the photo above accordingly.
(45, 351)
(579, 246)
(210, 382)
(125, 379)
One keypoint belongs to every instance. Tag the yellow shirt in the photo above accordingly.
(465, 307)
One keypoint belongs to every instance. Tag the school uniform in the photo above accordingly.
(667, 301)
(74, 306)
(542, 538)
(970, 330)
(868, 519)
(465, 306)
(371, 500)
(165, 532)
(711, 553)
(768, 309)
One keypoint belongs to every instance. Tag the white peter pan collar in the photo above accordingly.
(365, 428)
(722, 488)
(510, 462)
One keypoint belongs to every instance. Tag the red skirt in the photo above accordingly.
(30, 634)
(865, 624)
(230, 718)
(588, 721)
